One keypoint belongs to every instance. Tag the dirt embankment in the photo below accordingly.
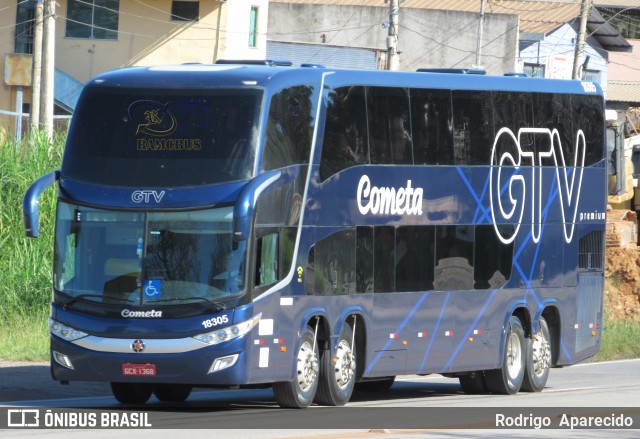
(622, 291)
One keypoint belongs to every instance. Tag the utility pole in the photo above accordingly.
(48, 64)
(37, 67)
(582, 30)
(393, 60)
(480, 36)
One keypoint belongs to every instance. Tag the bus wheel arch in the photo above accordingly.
(552, 315)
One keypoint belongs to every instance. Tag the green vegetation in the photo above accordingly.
(619, 340)
(26, 264)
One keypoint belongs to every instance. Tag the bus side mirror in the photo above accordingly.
(248, 198)
(30, 202)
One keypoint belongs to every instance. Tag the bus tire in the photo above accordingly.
(131, 393)
(376, 385)
(508, 379)
(538, 359)
(337, 378)
(300, 392)
(473, 383)
(172, 392)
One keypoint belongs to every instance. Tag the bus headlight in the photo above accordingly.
(228, 333)
(65, 332)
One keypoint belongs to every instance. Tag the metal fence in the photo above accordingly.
(16, 125)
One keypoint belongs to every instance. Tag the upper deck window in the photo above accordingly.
(94, 19)
(126, 137)
(185, 11)
(289, 128)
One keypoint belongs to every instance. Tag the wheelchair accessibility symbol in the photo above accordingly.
(152, 288)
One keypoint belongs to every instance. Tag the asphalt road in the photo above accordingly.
(425, 404)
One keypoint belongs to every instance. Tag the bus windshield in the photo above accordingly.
(163, 138)
(147, 258)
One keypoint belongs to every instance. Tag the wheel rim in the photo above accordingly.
(307, 366)
(541, 351)
(344, 365)
(514, 356)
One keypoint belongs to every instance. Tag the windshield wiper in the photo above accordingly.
(215, 306)
(74, 299)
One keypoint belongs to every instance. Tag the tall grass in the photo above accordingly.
(25, 263)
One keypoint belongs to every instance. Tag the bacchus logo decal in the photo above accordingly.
(158, 126)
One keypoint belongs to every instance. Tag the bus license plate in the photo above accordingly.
(147, 370)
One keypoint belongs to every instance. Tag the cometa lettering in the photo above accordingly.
(388, 200)
(140, 314)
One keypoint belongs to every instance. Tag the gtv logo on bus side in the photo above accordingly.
(513, 189)
(145, 196)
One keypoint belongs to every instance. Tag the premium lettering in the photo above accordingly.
(387, 200)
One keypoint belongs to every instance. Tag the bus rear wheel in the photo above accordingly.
(172, 392)
(131, 393)
(300, 392)
(338, 374)
(508, 379)
(538, 359)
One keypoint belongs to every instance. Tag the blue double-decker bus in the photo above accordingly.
(317, 230)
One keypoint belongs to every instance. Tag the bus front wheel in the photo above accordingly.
(508, 379)
(300, 392)
(172, 392)
(131, 393)
(338, 374)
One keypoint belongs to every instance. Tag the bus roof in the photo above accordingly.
(198, 76)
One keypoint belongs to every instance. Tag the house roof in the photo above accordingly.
(606, 34)
(540, 16)
(623, 91)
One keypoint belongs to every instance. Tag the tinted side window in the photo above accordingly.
(472, 127)
(364, 259)
(588, 117)
(384, 259)
(289, 129)
(389, 125)
(334, 263)
(431, 127)
(554, 111)
(513, 111)
(492, 259)
(415, 258)
(454, 258)
(345, 133)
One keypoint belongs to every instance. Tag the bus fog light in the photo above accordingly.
(62, 360)
(223, 363)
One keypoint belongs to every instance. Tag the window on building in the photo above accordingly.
(94, 19)
(25, 23)
(253, 27)
(534, 70)
(591, 75)
(185, 11)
